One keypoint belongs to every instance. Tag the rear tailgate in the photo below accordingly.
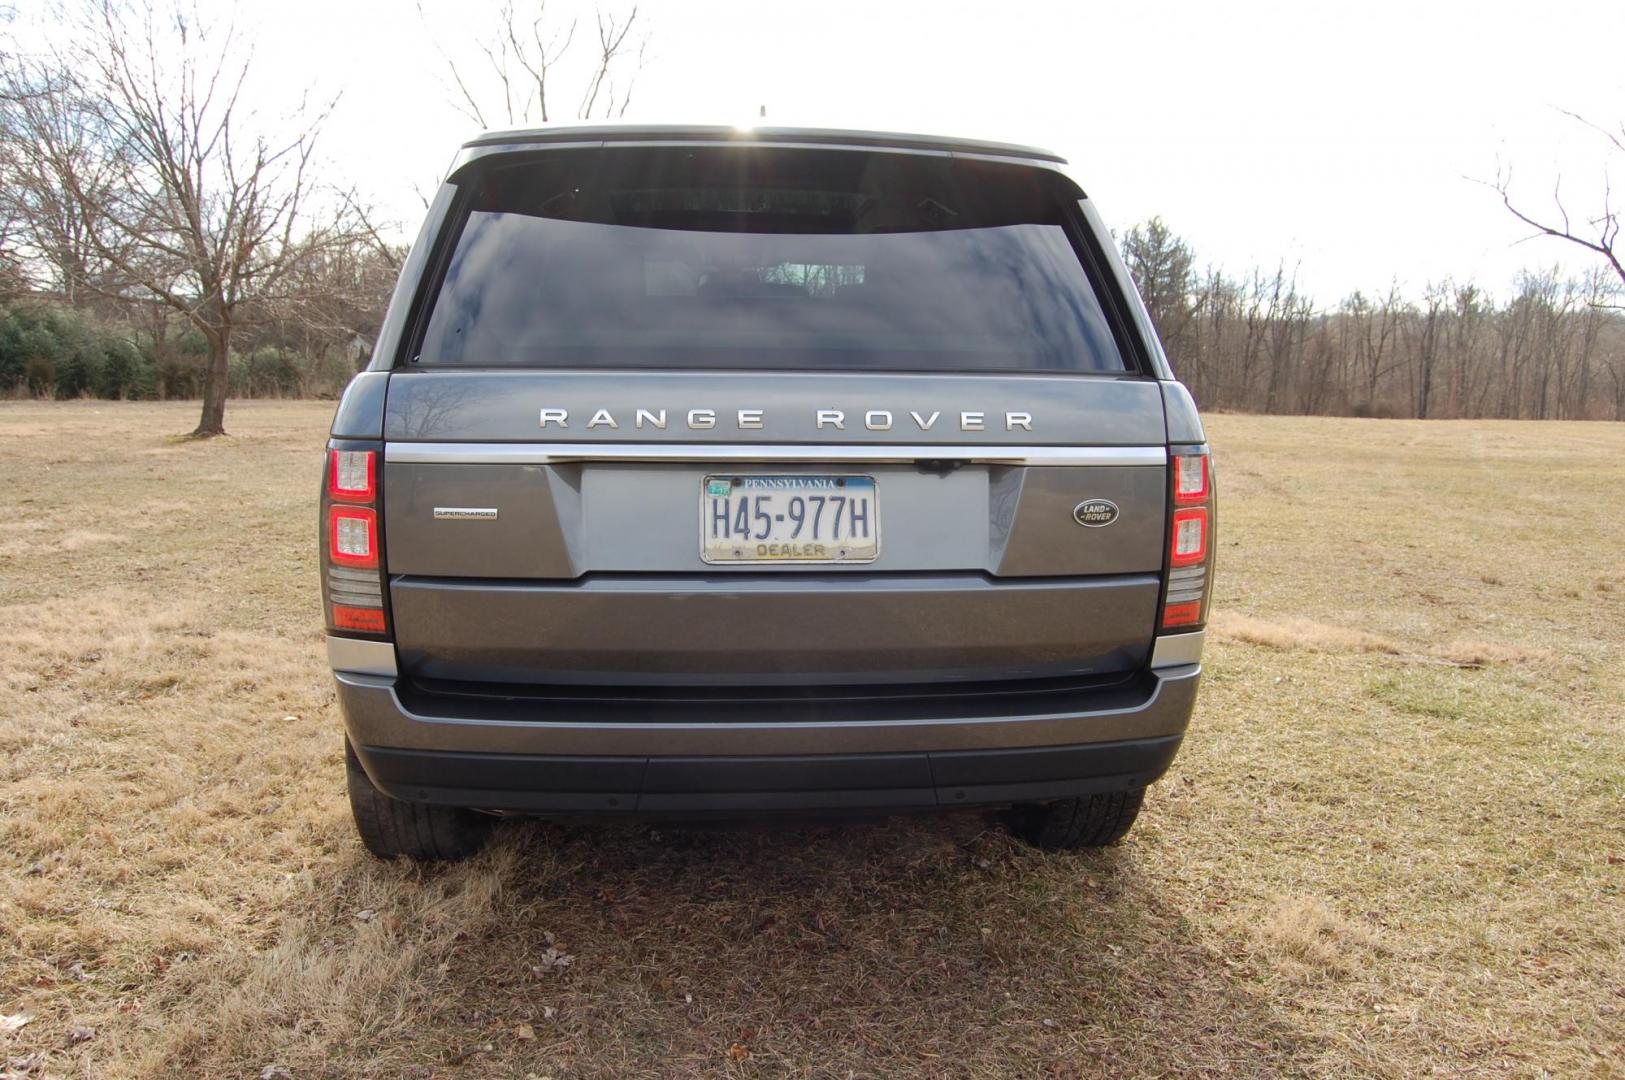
(576, 556)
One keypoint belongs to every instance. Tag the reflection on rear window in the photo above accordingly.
(741, 259)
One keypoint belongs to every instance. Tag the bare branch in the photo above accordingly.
(1604, 236)
(517, 66)
(465, 102)
(611, 38)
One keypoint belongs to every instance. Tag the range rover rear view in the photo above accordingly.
(708, 473)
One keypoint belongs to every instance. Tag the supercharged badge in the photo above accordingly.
(1095, 513)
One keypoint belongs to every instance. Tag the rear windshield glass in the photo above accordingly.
(738, 257)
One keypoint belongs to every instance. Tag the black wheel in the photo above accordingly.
(390, 828)
(1087, 821)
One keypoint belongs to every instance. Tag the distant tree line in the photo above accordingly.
(1256, 343)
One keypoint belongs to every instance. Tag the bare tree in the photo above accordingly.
(146, 174)
(1374, 356)
(1467, 321)
(1425, 332)
(521, 60)
(1599, 232)
(1288, 317)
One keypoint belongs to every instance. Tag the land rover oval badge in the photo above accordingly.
(1095, 513)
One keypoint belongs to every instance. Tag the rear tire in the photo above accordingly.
(1087, 821)
(391, 828)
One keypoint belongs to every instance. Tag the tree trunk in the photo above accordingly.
(215, 379)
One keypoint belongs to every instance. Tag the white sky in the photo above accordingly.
(1336, 137)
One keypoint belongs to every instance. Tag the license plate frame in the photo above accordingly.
(847, 552)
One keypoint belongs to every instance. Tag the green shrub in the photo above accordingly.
(265, 372)
(47, 349)
(29, 350)
(125, 371)
(179, 368)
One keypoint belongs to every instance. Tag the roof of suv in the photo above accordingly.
(702, 133)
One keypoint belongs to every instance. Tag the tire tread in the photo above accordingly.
(390, 828)
(1086, 821)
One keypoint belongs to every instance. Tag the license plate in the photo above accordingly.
(789, 519)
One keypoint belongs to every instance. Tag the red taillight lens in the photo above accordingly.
(1190, 478)
(352, 475)
(352, 536)
(369, 620)
(1188, 613)
(1190, 537)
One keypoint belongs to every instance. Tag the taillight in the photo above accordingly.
(1189, 542)
(351, 475)
(1190, 537)
(1190, 478)
(1185, 613)
(370, 620)
(352, 559)
(353, 536)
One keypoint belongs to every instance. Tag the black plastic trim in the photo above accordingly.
(1133, 350)
(667, 785)
(723, 705)
(434, 271)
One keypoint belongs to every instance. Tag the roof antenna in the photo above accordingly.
(761, 113)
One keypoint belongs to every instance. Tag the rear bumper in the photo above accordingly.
(734, 751)
(717, 785)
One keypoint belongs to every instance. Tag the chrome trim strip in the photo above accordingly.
(361, 657)
(1176, 650)
(431, 453)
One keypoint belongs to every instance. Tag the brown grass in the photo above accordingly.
(1393, 846)
(1296, 632)
(1307, 635)
(1304, 937)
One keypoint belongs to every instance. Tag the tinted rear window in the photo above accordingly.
(740, 257)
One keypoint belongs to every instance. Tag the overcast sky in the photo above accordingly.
(1339, 138)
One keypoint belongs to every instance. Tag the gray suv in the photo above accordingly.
(703, 472)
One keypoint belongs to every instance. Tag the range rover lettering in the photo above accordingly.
(701, 472)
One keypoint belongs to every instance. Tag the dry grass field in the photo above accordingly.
(1394, 844)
